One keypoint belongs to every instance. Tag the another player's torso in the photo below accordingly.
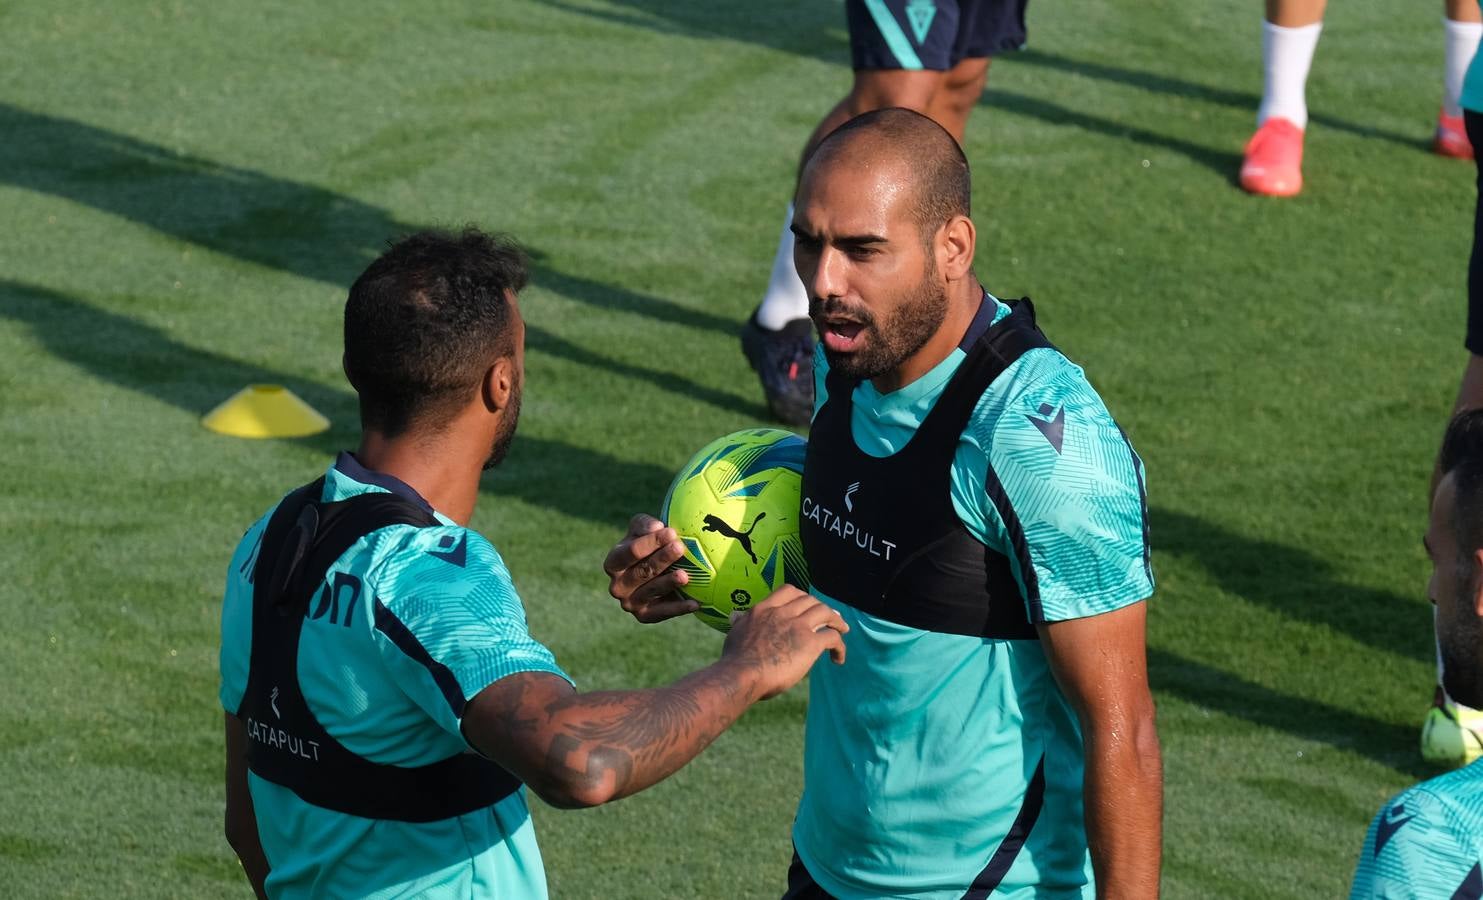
(1427, 841)
(928, 751)
(316, 852)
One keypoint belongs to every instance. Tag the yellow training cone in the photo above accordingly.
(265, 411)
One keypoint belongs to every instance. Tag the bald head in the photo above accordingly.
(926, 157)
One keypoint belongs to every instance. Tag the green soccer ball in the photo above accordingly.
(735, 506)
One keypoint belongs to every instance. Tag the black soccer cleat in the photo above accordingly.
(784, 360)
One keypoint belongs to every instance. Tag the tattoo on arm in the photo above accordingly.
(579, 749)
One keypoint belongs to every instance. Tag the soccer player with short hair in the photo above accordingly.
(1428, 840)
(978, 518)
(1273, 163)
(931, 56)
(385, 702)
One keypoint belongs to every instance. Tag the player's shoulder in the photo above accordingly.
(437, 566)
(427, 551)
(245, 555)
(1446, 811)
(1042, 411)
(1455, 798)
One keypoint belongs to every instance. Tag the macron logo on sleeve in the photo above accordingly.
(458, 555)
(1054, 428)
(1394, 820)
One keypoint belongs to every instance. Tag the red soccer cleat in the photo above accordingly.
(1452, 138)
(1274, 160)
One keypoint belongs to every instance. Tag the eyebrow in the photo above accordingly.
(849, 240)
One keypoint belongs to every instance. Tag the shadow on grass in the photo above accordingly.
(1394, 746)
(1224, 162)
(1295, 583)
(575, 481)
(284, 225)
(1191, 90)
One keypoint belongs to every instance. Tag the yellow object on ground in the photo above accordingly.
(265, 411)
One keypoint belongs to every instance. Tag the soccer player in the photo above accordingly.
(928, 55)
(1428, 840)
(1274, 155)
(385, 704)
(1452, 733)
(978, 518)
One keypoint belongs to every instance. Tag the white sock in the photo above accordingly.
(1461, 41)
(786, 298)
(1286, 55)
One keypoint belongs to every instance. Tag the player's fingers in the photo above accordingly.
(834, 643)
(638, 577)
(657, 589)
(798, 603)
(660, 610)
(630, 551)
(643, 523)
(783, 596)
(821, 616)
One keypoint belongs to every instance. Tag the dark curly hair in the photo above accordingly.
(425, 321)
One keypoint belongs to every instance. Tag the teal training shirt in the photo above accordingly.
(1427, 842)
(451, 590)
(919, 751)
(1472, 84)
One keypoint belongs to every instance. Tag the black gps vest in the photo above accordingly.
(881, 534)
(286, 744)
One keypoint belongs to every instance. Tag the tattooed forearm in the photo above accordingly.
(585, 749)
(640, 737)
(644, 723)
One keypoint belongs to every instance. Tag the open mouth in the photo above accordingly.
(841, 335)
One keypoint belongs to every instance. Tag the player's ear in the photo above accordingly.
(499, 384)
(1475, 597)
(954, 247)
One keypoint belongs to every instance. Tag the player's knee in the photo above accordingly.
(881, 90)
(962, 87)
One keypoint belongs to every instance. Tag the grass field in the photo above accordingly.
(187, 189)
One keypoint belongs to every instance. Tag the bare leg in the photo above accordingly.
(1298, 13)
(878, 89)
(961, 88)
(1462, 11)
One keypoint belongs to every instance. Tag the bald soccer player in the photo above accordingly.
(386, 706)
(978, 519)
(928, 55)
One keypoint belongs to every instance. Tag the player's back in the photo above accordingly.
(406, 625)
(1426, 842)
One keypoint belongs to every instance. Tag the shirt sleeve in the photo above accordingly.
(1417, 847)
(236, 619)
(449, 623)
(1064, 490)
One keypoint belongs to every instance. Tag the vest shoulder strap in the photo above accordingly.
(287, 744)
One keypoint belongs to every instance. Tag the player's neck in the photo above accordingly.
(963, 300)
(445, 477)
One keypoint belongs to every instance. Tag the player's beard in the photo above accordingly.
(1459, 635)
(506, 433)
(886, 346)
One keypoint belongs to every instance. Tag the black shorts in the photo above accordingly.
(1474, 339)
(932, 34)
(801, 885)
